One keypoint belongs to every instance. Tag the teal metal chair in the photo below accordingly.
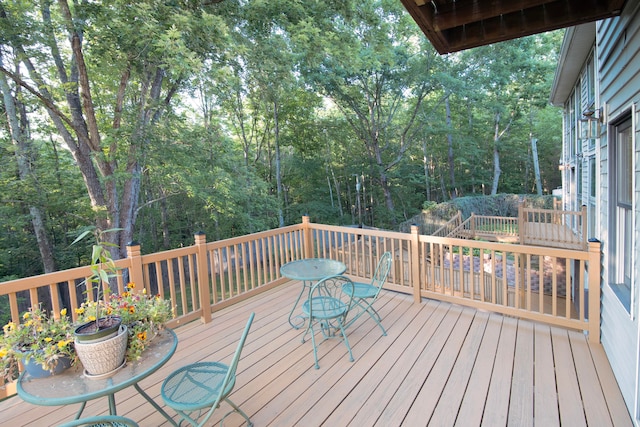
(102, 421)
(327, 308)
(365, 294)
(199, 388)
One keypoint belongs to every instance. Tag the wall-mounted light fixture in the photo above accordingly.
(590, 123)
(593, 114)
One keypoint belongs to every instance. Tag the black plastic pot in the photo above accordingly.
(107, 327)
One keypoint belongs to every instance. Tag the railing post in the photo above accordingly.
(594, 290)
(136, 274)
(521, 220)
(415, 263)
(203, 276)
(308, 238)
(472, 225)
(583, 221)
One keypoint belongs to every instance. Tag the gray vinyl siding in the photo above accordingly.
(618, 53)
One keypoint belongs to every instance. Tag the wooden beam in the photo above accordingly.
(423, 15)
(463, 12)
(451, 26)
(551, 16)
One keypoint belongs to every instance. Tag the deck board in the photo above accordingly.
(440, 364)
(496, 410)
(571, 408)
(473, 402)
(545, 402)
(521, 401)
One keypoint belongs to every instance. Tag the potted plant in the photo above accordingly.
(144, 316)
(103, 269)
(41, 342)
(100, 340)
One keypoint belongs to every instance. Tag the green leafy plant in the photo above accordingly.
(39, 337)
(103, 267)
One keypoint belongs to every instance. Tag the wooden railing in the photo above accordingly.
(556, 228)
(540, 227)
(544, 284)
(493, 228)
(549, 285)
(450, 227)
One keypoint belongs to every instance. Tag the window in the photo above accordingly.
(622, 214)
(591, 207)
(591, 82)
(572, 126)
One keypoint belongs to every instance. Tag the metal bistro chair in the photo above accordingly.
(203, 385)
(102, 421)
(327, 307)
(365, 294)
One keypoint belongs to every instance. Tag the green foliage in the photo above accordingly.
(268, 108)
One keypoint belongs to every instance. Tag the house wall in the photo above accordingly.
(618, 63)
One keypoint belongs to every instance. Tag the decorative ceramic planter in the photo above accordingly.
(104, 357)
(36, 370)
(108, 327)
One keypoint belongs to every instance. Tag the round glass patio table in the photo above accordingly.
(73, 386)
(309, 271)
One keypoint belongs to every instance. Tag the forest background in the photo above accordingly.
(165, 118)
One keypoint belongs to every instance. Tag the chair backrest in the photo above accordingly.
(234, 362)
(236, 357)
(382, 271)
(333, 287)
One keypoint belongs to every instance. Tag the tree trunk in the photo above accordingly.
(336, 183)
(18, 128)
(425, 164)
(536, 164)
(452, 178)
(496, 155)
(278, 171)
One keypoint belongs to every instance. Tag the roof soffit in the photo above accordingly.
(454, 25)
(576, 46)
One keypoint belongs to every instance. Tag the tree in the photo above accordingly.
(125, 64)
(375, 71)
(509, 80)
(18, 125)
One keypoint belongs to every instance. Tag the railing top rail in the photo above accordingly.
(168, 254)
(254, 236)
(552, 211)
(496, 217)
(360, 231)
(508, 247)
(454, 220)
(24, 284)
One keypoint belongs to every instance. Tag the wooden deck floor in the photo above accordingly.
(440, 365)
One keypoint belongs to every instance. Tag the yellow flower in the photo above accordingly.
(142, 335)
(3, 352)
(92, 318)
(48, 339)
(62, 344)
(9, 327)
(63, 312)
(131, 285)
(132, 309)
(79, 310)
(26, 315)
